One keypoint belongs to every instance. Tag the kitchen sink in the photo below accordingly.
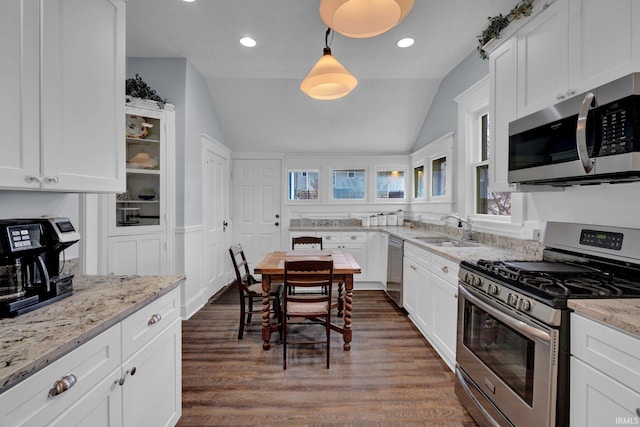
(447, 242)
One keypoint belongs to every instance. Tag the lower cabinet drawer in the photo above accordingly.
(607, 349)
(445, 269)
(32, 402)
(145, 324)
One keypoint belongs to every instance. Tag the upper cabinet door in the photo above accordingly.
(542, 59)
(603, 41)
(19, 83)
(83, 79)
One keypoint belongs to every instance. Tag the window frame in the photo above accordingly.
(404, 197)
(307, 170)
(346, 169)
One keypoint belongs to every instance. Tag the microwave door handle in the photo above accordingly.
(581, 132)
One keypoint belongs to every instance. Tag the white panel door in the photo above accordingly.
(83, 127)
(215, 217)
(19, 83)
(144, 254)
(257, 188)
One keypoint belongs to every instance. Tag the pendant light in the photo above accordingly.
(328, 79)
(363, 18)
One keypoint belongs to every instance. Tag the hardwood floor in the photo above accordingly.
(390, 377)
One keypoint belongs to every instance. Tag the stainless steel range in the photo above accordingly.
(513, 322)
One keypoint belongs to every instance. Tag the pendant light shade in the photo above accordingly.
(363, 18)
(328, 79)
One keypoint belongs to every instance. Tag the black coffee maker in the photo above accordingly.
(30, 271)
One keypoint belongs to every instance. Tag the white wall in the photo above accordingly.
(32, 204)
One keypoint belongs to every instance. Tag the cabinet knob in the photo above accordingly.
(53, 180)
(62, 385)
(445, 269)
(154, 319)
(559, 96)
(35, 178)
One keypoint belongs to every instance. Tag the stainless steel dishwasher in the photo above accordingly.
(395, 250)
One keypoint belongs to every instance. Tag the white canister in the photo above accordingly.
(392, 219)
(400, 218)
(373, 221)
(365, 221)
(382, 220)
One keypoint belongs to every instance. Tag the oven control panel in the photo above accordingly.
(602, 239)
(508, 296)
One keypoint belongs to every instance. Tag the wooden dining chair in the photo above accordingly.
(306, 309)
(250, 289)
(306, 241)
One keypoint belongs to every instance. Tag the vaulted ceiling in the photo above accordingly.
(256, 91)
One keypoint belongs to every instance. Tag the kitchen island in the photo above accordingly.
(76, 359)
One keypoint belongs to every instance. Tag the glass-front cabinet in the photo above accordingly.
(142, 208)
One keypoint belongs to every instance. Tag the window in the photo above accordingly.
(486, 202)
(390, 184)
(349, 184)
(418, 182)
(439, 177)
(303, 185)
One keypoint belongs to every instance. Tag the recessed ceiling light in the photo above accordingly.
(406, 42)
(247, 42)
(188, 1)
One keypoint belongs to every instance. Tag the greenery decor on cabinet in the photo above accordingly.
(500, 22)
(138, 88)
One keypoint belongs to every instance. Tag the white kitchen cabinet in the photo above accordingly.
(111, 389)
(503, 101)
(144, 254)
(543, 46)
(157, 367)
(573, 46)
(63, 86)
(377, 256)
(430, 286)
(140, 222)
(605, 374)
(604, 42)
(354, 242)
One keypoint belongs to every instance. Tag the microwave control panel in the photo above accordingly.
(618, 124)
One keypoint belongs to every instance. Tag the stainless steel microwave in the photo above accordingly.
(588, 139)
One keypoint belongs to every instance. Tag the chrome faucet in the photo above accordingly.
(467, 233)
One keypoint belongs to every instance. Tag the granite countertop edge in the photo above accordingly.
(456, 254)
(34, 340)
(619, 313)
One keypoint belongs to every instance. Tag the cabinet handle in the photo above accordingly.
(121, 381)
(638, 412)
(35, 178)
(413, 267)
(53, 180)
(62, 385)
(559, 96)
(354, 237)
(445, 269)
(154, 319)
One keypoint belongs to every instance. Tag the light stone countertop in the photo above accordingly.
(481, 251)
(620, 313)
(34, 340)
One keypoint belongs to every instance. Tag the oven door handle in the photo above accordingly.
(497, 312)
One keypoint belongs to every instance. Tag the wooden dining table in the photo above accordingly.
(271, 267)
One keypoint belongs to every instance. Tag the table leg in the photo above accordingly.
(266, 315)
(348, 300)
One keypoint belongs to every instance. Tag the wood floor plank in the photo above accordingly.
(391, 376)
